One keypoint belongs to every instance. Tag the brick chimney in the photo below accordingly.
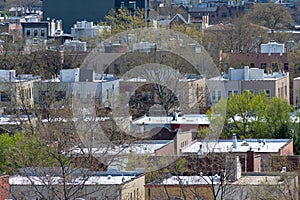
(250, 161)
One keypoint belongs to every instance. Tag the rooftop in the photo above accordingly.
(55, 180)
(142, 147)
(249, 74)
(189, 180)
(184, 119)
(221, 146)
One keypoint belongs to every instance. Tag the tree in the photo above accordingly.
(123, 20)
(238, 36)
(257, 116)
(271, 15)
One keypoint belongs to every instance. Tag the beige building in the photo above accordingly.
(236, 81)
(109, 186)
(16, 92)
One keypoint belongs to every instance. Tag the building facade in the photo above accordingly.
(236, 81)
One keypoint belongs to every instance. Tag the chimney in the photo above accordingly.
(234, 141)
(250, 161)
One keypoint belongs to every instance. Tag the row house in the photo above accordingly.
(49, 184)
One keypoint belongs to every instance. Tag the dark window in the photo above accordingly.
(132, 5)
(28, 33)
(60, 95)
(223, 15)
(43, 33)
(251, 65)
(286, 67)
(274, 67)
(35, 32)
(263, 65)
(5, 97)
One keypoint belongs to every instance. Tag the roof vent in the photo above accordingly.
(109, 177)
(283, 170)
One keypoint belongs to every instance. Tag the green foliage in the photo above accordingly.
(257, 116)
(22, 150)
(123, 20)
(273, 16)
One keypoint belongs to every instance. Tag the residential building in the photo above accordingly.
(184, 122)
(75, 45)
(272, 47)
(255, 154)
(83, 84)
(85, 29)
(35, 30)
(16, 91)
(109, 185)
(272, 57)
(222, 186)
(181, 187)
(131, 5)
(236, 81)
(142, 93)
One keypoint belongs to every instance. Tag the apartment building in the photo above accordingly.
(236, 81)
(82, 84)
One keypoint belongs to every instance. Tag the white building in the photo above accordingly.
(75, 45)
(85, 29)
(83, 84)
(272, 47)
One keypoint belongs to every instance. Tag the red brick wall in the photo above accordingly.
(287, 150)
(4, 187)
(242, 59)
(166, 150)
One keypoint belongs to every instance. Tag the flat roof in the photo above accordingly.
(184, 119)
(142, 147)
(222, 146)
(56, 180)
(258, 180)
(188, 180)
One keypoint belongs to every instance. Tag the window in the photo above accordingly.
(213, 96)
(219, 95)
(43, 33)
(223, 15)
(286, 67)
(60, 95)
(285, 90)
(27, 33)
(231, 92)
(274, 66)
(268, 92)
(132, 5)
(35, 33)
(122, 4)
(252, 65)
(216, 95)
(5, 97)
(263, 65)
